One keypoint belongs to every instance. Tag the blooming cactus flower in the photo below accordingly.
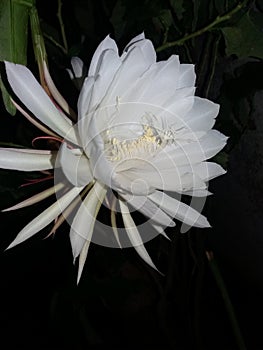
(141, 132)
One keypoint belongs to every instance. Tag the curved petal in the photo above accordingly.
(54, 91)
(33, 121)
(156, 84)
(106, 70)
(166, 179)
(106, 44)
(186, 76)
(83, 224)
(134, 235)
(145, 45)
(149, 209)
(133, 66)
(205, 170)
(134, 40)
(77, 67)
(46, 217)
(33, 96)
(193, 152)
(75, 166)
(179, 210)
(36, 198)
(84, 101)
(78, 72)
(26, 159)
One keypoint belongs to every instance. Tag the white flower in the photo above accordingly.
(141, 132)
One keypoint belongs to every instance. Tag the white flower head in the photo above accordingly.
(142, 140)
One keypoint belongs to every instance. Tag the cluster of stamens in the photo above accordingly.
(148, 144)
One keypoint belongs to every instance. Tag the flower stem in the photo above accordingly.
(213, 65)
(38, 43)
(229, 307)
(219, 19)
(62, 28)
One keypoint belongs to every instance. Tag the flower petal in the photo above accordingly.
(46, 217)
(134, 40)
(83, 224)
(54, 91)
(145, 45)
(95, 88)
(156, 84)
(106, 44)
(33, 121)
(78, 67)
(168, 179)
(26, 159)
(186, 76)
(133, 66)
(75, 166)
(33, 96)
(179, 210)
(149, 209)
(134, 235)
(36, 198)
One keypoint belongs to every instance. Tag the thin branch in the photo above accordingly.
(229, 307)
(62, 27)
(219, 19)
(51, 39)
(213, 65)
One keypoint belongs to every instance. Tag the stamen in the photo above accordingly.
(149, 143)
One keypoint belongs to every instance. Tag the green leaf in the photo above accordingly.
(222, 158)
(117, 19)
(13, 37)
(166, 18)
(244, 38)
(178, 7)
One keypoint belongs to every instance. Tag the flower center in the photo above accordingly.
(149, 143)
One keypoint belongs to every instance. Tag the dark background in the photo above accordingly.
(120, 302)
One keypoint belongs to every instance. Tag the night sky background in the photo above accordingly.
(120, 302)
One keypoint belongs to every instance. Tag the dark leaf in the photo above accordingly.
(13, 37)
(244, 39)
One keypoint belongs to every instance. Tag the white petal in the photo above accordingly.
(77, 66)
(106, 44)
(36, 198)
(134, 235)
(186, 76)
(33, 121)
(84, 220)
(168, 179)
(134, 40)
(133, 66)
(54, 91)
(84, 98)
(26, 159)
(46, 217)
(146, 47)
(197, 193)
(202, 115)
(187, 153)
(179, 210)
(30, 92)
(109, 65)
(160, 230)
(101, 168)
(147, 88)
(206, 170)
(76, 167)
(78, 72)
(149, 209)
